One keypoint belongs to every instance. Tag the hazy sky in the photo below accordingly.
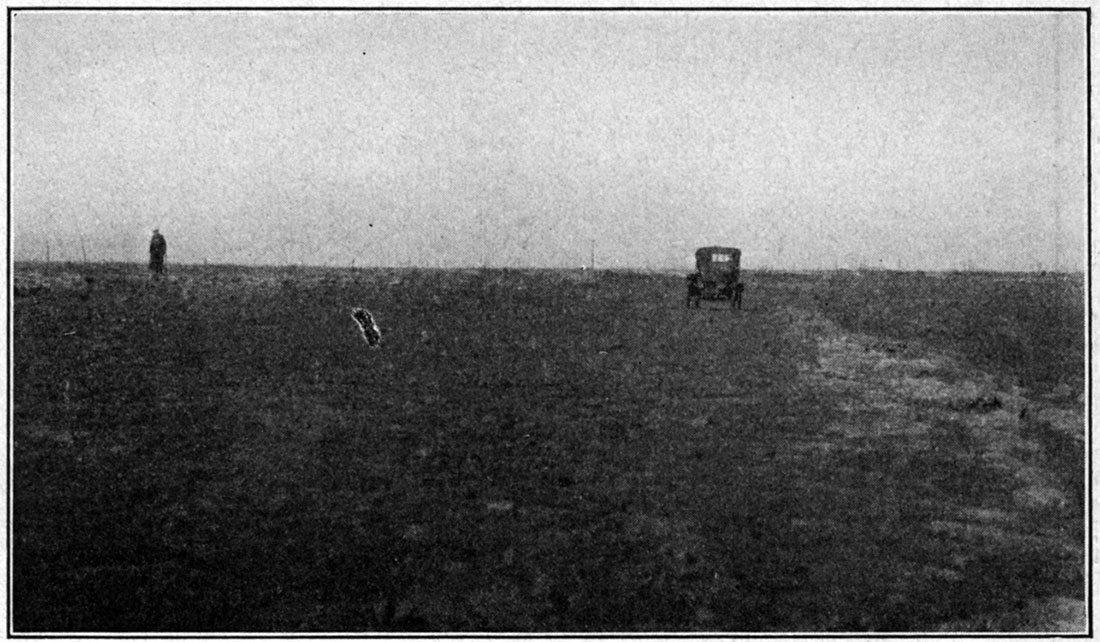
(809, 139)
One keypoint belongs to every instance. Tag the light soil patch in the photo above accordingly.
(1051, 615)
(889, 396)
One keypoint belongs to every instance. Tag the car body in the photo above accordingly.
(717, 276)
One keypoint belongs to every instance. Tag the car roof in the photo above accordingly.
(716, 249)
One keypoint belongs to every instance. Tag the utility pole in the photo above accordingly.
(592, 254)
(83, 252)
(47, 250)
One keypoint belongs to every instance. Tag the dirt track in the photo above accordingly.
(907, 406)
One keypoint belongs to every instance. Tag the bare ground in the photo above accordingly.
(926, 408)
(532, 451)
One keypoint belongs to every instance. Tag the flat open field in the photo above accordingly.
(545, 451)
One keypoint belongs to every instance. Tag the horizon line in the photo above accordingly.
(581, 268)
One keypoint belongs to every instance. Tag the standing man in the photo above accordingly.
(158, 247)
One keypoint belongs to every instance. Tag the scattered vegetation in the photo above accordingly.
(529, 451)
(1028, 326)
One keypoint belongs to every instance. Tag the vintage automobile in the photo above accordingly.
(717, 276)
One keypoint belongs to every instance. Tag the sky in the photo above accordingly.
(918, 140)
